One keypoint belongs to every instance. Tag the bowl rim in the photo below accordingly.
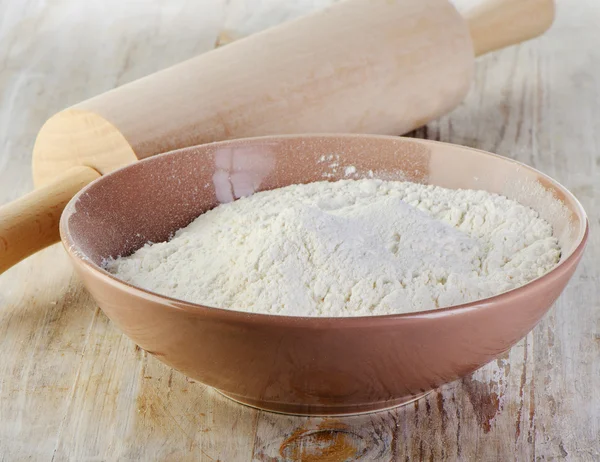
(79, 256)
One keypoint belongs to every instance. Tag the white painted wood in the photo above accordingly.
(73, 388)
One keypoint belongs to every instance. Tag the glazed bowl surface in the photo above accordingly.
(301, 365)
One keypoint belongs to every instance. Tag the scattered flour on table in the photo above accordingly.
(348, 248)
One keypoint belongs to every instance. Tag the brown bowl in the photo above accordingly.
(306, 365)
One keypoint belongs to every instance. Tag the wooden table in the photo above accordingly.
(72, 387)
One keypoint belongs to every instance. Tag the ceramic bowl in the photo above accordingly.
(306, 365)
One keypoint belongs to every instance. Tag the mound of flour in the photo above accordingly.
(348, 248)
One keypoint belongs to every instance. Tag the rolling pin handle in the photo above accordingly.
(496, 24)
(30, 223)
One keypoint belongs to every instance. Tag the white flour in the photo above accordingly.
(348, 248)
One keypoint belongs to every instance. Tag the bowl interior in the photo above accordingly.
(151, 199)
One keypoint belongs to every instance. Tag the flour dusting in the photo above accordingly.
(348, 248)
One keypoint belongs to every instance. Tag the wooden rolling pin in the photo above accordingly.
(369, 66)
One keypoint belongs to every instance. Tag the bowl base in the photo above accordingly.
(323, 410)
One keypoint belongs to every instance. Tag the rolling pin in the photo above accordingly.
(363, 66)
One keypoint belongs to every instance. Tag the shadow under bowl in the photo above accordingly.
(301, 365)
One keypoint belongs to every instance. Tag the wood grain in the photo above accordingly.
(73, 388)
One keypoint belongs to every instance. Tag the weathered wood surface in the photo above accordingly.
(72, 387)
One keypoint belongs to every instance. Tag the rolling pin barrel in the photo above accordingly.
(370, 66)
